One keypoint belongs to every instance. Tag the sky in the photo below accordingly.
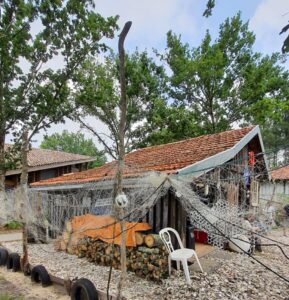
(152, 19)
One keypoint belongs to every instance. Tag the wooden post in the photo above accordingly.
(120, 165)
(24, 194)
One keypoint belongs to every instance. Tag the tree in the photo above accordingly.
(285, 46)
(32, 96)
(209, 79)
(208, 12)
(103, 91)
(74, 143)
(98, 94)
(225, 82)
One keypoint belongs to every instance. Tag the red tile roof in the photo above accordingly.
(164, 158)
(42, 158)
(281, 173)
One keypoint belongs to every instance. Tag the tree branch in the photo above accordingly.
(108, 149)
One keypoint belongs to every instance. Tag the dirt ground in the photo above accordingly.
(19, 287)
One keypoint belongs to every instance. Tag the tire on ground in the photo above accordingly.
(3, 256)
(40, 274)
(13, 262)
(83, 289)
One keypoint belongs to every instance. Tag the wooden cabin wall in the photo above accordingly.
(168, 212)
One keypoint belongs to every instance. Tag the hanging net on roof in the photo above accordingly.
(52, 208)
(218, 221)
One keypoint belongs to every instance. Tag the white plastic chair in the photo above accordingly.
(179, 255)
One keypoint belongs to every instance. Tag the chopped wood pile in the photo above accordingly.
(149, 263)
(149, 259)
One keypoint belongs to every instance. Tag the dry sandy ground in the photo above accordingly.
(21, 287)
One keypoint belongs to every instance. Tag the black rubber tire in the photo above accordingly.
(40, 274)
(3, 256)
(83, 289)
(13, 262)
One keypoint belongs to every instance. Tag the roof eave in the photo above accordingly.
(205, 165)
(50, 166)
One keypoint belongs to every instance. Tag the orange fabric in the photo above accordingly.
(102, 227)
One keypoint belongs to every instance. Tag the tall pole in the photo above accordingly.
(120, 165)
(24, 194)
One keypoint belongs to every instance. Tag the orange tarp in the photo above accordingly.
(102, 227)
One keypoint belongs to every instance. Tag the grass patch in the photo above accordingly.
(10, 297)
(2, 278)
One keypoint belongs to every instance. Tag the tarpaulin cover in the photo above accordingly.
(102, 227)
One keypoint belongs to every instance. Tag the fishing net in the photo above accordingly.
(46, 211)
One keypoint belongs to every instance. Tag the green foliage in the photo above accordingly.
(98, 94)
(13, 225)
(32, 35)
(210, 6)
(285, 46)
(8, 296)
(210, 88)
(208, 12)
(209, 79)
(74, 143)
(225, 82)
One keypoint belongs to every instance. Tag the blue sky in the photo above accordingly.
(152, 19)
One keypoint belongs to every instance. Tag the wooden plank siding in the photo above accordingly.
(168, 212)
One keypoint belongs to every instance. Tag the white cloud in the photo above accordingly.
(268, 20)
(151, 19)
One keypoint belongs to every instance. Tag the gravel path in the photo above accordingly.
(237, 278)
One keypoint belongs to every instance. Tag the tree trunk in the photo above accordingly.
(122, 123)
(2, 144)
(3, 213)
(24, 193)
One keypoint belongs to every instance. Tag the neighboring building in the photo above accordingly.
(44, 164)
(278, 188)
(231, 162)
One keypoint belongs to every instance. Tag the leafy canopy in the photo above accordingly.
(33, 35)
(225, 82)
(98, 94)
(74, 143)
(208, 12)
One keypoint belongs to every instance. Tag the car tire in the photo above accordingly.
(83, 289)
(40, 274)
(3, 256)
(13, 262)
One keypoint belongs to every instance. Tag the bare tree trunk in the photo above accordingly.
(2, 142)
(24, 193)
(120, 166)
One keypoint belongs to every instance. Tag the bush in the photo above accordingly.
(13, 225)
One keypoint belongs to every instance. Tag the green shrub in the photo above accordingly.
(13, 225)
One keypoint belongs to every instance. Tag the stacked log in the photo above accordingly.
(150, 263)
(148, 259)
(64, 242)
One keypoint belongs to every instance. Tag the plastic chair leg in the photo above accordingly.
(178, 265)
(170, 267)
(186, 270)
(197, 259)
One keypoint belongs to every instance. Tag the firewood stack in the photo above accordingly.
(148, 260)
